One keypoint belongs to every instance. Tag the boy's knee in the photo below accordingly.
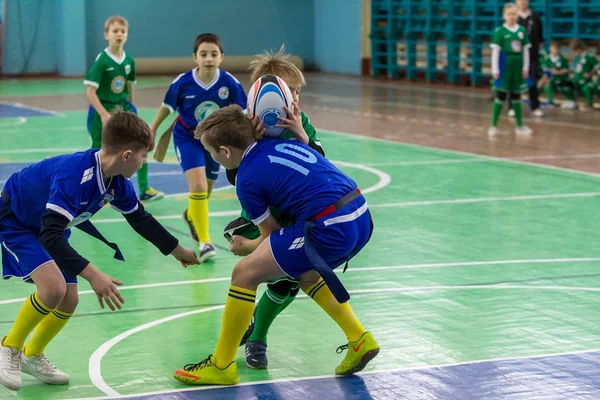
(199, 187)
(70, 301)
(308, 279)
(245, 276)
(52, 293)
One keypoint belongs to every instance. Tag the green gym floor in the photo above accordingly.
(481, 281)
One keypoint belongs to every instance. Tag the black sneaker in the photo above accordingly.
(190, 226)
(256, 355)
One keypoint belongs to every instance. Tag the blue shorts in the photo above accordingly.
(338, 237)
(22, 252)
(192, 154)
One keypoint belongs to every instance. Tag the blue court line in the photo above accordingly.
(568, 376)
(15, 110)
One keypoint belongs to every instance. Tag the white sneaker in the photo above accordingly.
(492, 131)
(10, 367)
(511, 113)
(568, 105)
(207, 250)
(39, 367)
(538, 112)
(523, 130)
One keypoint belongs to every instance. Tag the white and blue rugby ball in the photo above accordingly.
(267, 97)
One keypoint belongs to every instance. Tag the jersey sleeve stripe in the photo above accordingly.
(134, 209)
(262, 218)
(60, 210)
(91, 83)
(168, 106)
(494, 45)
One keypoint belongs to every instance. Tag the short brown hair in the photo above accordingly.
(115, 19)
(577, 44)
(556, 42)
(125, 129)
(271, 63)
(228, 126)
(207, 38)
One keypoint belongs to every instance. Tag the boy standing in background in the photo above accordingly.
(110, 84)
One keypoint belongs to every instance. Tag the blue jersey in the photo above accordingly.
(71, 185)
(289, 176)
(194, 100)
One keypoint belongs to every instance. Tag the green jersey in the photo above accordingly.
(584, 63)
(110, 76)
(512, 42)
(308, 128)
(559, 63)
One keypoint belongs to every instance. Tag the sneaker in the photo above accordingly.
(523, 130)
(39, 367)
(256, 355)
(207, 250)
(568, 105)
(358, 356)
(190, 226)
(492, 131)
(538, 113)
(249, 331)
(151, 194)
(206, 372)
(10, 367)
(511, 113)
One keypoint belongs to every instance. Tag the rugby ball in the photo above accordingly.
(266, 99)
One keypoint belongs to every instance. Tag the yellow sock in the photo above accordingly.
(236, 318)
(46, 331)
(198, 214)
(342, 314)
(31, 314)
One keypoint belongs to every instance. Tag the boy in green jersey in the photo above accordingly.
(110, 84)
(584, 64)
(510, 67)
(556, 74)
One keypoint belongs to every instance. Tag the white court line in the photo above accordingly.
(400, 204)
(464, 153)
(42, 150)
(480, 160)
(384, 180)
(486, 199)
(17, 122)
(95, 369)
(356, 269)
(382, 371)
(399, 85)
(352, 101)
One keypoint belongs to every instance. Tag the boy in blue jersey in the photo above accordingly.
(195, 95)
(332, 225)
(282, 292)
(39, 206)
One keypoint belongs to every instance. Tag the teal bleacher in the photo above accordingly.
(449, 39)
